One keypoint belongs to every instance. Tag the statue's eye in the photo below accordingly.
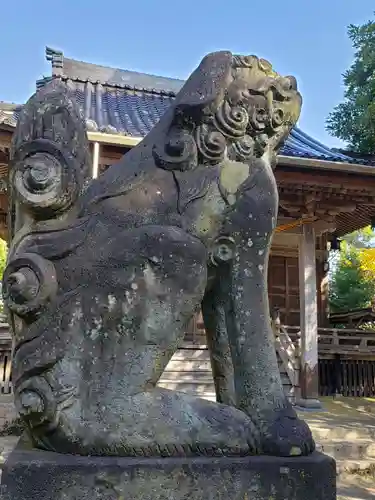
(246, 94)
(292, 82)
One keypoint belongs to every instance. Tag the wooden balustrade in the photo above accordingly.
(5, 359)
(343, 341)
(346, 342)
(347, 376)
(346, 357)
(287, 345)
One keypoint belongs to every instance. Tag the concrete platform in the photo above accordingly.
(345, 430)
(37, 475)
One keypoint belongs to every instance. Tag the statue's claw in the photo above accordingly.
(284, 434)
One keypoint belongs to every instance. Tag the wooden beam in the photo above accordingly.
(343, 182)
(291, 161)
(125, 140)
(326, 165)
(309, 381)
(320, 227)
(326, 203)
(114, 139)
(290, 251)
(95, 160)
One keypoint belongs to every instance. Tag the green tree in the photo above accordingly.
(3, 257)
(350, 287)
(353, 120)
(363, 238)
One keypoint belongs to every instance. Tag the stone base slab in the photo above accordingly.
(38, 475)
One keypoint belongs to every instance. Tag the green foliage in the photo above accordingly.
(368, 327)
(3, 257)
(353, 120)
(350, 288)
(352, 281)
(363, 238)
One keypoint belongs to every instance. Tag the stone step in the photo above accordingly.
(200, 376)
(200, 383)
(182, 376)
(195, 388)
(186, 354)
(197, 360)
(186, 365)
(189, 371)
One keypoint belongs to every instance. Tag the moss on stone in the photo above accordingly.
(15, 427)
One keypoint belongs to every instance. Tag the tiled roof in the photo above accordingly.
(9, 119)
(302, 145)
(129, 103)
(118, 110)
(8, 114)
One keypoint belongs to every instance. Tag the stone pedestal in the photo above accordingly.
(37, 475)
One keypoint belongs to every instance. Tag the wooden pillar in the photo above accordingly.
(309, 375)
(95, 162)
(322, 280)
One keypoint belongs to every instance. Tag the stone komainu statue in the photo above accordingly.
(103, 274)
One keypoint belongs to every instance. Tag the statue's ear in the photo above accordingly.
(50, 159)
(206, 86)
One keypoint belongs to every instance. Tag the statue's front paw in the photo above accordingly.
(284, 434)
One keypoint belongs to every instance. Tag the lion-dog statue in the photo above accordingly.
(104, 274)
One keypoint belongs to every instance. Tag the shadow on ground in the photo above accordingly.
(355, 488)
(349, 419)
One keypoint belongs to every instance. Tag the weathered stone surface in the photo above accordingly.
(103, 275)
(7, 410)
(39, 475)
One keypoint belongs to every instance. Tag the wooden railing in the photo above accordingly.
(346, 359)
(346, 356)
(5, 359)
(287, 344)
(347, 342)
(331, 341)
(347, 376)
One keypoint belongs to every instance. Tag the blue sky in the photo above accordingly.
(306, 38)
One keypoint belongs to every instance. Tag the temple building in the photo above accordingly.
(324, 193)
